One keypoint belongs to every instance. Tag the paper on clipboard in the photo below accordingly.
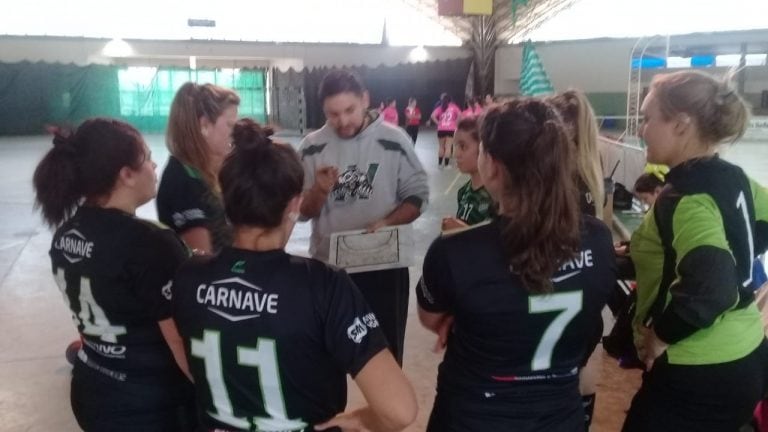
(358, 251)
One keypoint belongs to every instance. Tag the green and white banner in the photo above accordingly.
(533, 78)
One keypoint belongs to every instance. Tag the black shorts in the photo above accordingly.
(387, 293)
(101, 403)
(561, 412)
(711, 398)
(443, 134)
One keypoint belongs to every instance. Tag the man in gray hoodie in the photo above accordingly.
(362, 173)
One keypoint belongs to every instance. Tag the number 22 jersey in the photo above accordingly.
(270, 338)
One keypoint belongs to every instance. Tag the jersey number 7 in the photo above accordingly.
(569, 305)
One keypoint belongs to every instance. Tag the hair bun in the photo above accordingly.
(249, 134)
(63, 140)
(725, 93)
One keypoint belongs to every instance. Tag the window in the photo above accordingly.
(146, 93)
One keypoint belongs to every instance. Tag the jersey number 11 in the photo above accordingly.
(263, 357)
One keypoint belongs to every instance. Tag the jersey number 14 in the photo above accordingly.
(91, 316)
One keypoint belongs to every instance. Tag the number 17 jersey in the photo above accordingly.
(270, 338)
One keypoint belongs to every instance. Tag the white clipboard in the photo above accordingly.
(387, 248)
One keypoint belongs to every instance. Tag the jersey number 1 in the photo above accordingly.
(741, 204)
(263, 357)
(570, 305)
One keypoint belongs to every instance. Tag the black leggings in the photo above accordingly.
(386, 292)
(717, 397)
(413, 131)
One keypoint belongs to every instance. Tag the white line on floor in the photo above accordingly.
(10, 245)
(453, 183)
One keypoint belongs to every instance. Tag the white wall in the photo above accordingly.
(509, 59)
(594, 66)
(602, 65)
(227, 54)
(757, 79)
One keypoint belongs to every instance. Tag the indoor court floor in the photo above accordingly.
(35, 325)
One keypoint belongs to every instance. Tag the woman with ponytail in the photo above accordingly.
(198, 138)
(525, 291)
(271, 336)
(446, 117)
(114, 271)
(581, 127)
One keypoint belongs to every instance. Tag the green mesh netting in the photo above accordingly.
(33, 95)
(146, 93)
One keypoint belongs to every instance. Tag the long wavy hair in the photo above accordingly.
(581, 126)
(184, 138)
(540, 219)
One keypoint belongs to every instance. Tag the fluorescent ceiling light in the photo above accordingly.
(117, 48)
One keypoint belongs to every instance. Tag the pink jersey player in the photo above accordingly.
(447, 118)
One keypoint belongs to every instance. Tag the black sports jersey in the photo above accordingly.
(503, 336)
(184, 201)
(586, 200)
(270, 338)
(115, 272)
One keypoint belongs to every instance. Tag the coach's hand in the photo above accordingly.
(652, 347)
(347, 422)
(325, 178)
(375, 226)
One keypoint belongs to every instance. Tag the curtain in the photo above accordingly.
(33, 95)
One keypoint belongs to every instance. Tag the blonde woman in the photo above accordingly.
(696, 326)
(580, 123)
(198, 138)
(579, 119)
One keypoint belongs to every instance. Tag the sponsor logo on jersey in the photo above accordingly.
(236, 299)
(83, 357)
(573, 266)
(107, 350)
(180, 218)
(74, 246)
(583, 259)
(537, 377)
(355, 184)
(166, 290)
(370, 320)
(238, 267)
(425, 291)
(357, 331)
